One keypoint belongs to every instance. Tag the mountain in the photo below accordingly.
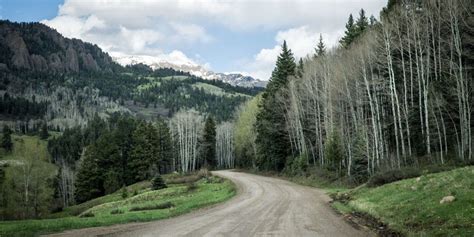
(178, 61)
(36, 47)
(66, 82)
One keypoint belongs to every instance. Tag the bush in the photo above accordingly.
(87, 214)
(164, 205)
(297, 165)
(204, 173)
(124, 192)
(158, 182)
(184, 179)
(392, 176)
(116, 211)
(191, 186)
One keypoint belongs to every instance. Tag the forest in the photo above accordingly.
(396, 93)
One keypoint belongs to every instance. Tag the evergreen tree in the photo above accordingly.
(7, 143)
(165, 147)
(89, 180)
(209, 143)
(320, 49)
(158, 182)
(362, 23)
(349, 33)
(145, 153)
(44, 131)
(334, 152)
(372, 20)
(300, 68)
(273, 144)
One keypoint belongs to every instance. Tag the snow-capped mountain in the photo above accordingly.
(178, 61)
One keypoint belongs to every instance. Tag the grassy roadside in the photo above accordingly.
(409, 207)
(412, 207)
(310, 178)
(145, 205)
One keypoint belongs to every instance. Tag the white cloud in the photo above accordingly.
(237, 14)
(190, 32)
(146, 27)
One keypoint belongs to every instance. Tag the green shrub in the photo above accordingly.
(191, 186)
(124, 192)
(334, 152)
(87, 214)
(183, 179)
(204, 173)
(392, 176)
(116, 211)
(158, 182)
(164, 205)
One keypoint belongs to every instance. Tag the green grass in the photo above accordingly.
(117, 196)
(211, 89)
(413, 207)
(24, 145)
(209, 191)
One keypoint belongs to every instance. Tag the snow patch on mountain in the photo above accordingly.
(179, 61)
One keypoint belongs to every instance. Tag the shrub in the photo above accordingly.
(191, 186)
(183, 179)
(392, 176)
(158, 182)
(116, 211)
(164, 205)
(87, 214)
(204, 173)
(124, 192)
(334, 151)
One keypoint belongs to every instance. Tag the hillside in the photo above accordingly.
(193, 68)
(414, 207)
(134, 203)
(69, 81)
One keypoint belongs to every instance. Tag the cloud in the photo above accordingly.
(301, 40)
(236, 14)
(148, 27)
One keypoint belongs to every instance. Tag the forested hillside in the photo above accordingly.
(66, 82)
(77, 126)
(395, 93)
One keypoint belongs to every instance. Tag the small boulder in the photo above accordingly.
(447, 199)
(418, 179)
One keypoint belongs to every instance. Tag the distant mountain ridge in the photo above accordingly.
(176, 62)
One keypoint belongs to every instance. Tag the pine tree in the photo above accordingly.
(209, 143)
(372, 20)
(273, 144)
(320, 49)
(362, 23)
(165, 147)
(7, 143)
(145, 153)
(158, 182)
(89, 177)
(44, 131)
(349, 33)
(300, 68)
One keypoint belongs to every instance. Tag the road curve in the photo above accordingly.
(264, 206)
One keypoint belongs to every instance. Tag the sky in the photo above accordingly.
(223, 35)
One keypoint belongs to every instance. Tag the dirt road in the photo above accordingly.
(263, 207)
